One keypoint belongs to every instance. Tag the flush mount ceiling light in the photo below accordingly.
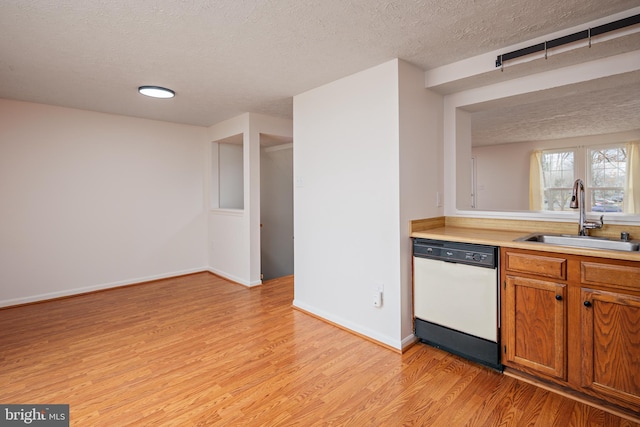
(156, 92)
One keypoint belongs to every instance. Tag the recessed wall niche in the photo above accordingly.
(228, 173)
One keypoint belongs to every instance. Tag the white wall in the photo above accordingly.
(420, 171)
(234, 235)
(346, 201)
(348, 224)
(91, 200)
(229, 229)
(502, 177)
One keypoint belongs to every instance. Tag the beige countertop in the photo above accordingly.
(443, 229)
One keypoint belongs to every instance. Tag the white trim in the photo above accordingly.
(102, 286)
(409, 340)
(391, 342)
(234, 278)
(558, 216)
(229, 212)
(279, 147)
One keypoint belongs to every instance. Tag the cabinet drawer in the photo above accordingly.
(611, 275)
(555, 268)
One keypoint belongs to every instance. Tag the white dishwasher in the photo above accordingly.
(456, 298)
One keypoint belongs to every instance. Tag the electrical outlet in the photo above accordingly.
(377, 298)
(438, 199)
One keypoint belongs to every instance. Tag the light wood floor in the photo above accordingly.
(198, 350)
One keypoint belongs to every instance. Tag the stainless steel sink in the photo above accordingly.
(582, 241)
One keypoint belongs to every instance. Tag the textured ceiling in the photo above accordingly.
(597, 107)
(227, 57)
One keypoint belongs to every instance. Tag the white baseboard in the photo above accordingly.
(374, 335)
(234, 278)
(93, 288)
(407, 341)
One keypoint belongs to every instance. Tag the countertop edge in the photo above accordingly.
(506, 239)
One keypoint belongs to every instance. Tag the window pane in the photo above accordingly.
(558, 177)
(607, 200)
(608, 168)
(557, 199)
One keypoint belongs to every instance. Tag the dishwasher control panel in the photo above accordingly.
(464, 253)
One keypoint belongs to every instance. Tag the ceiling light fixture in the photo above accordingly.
(156, 92)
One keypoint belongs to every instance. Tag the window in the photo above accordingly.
(607, 178)
(608, 172)
(558, 174)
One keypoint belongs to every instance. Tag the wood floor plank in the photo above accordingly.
(533, 408)
(201, 351)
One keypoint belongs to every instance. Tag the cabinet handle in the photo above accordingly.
(587, 304)
(559, 297)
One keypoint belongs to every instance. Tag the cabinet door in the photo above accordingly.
(535, 325)
(611, 344)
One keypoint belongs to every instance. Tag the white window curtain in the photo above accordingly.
(631, 203)
(536, 186)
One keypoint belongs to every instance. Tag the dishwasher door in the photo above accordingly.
(457, 296)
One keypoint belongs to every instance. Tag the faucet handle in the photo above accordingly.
(594, 224)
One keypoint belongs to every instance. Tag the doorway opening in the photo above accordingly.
(276, 206)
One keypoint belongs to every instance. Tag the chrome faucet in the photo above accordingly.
(583, 224)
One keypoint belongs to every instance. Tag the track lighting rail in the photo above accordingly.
(580, 35)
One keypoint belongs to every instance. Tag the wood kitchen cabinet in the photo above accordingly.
(536, 324)
(610, 331)
(573, 321)
(534, 313)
